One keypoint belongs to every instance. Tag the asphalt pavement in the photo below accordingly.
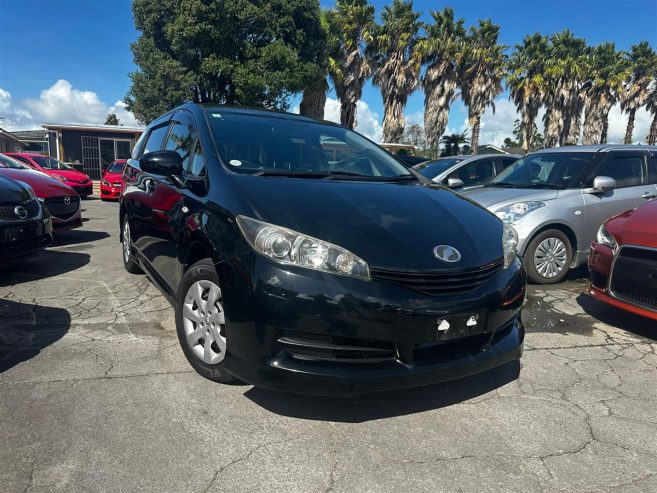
(95, 395)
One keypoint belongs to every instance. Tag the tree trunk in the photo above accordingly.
(605, 129)
(474, 139)
(527, 129)
(393, 119)
(314, 99)
(439, 86)
(651, 138)
(630, 126)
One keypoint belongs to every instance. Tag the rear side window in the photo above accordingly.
(478, 173)
(652, 170)
(155, 138)
(505, 162)
(627, 170)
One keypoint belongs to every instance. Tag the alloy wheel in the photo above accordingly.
(550, 257)
(204, 321)
(126, 242)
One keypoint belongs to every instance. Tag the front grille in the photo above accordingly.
(60, 209)
(439, 283)
(344, 350)
(634, 276)
(8, 211)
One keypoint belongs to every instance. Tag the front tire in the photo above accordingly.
(548, 257)
(127, 249)
(200, 322)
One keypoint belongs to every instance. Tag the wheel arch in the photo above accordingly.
(198, 248)
(565, 229)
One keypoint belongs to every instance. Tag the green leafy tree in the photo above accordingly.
(441, 49)
(111, 119)
(248, 52)
(452, 144)
(393, 51)
(526, 82)
(535, 139)
(642, 59)
(481, 72)
(349, 28)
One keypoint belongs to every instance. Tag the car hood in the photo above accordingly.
(69, 174)
(494, 198)
(43, 185)
(636, 226)
(12, 192)
(389, 225)
(112, 177)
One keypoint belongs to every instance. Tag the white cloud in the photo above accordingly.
(618, 125)
(367, 121)
(60, 102)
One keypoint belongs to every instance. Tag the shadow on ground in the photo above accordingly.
(46, 264)
(74, 237)
(380, 405)
(26, 329)
(616, 317)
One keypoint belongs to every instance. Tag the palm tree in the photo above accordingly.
(651, 106)
(349, 28)
(393, 51)
(442, 49)
(564, 72)
(642, 60)
(607, 72)
(481, 72)
(451, 143)
(526, 82)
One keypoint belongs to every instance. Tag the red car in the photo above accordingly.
(75, 179)
(62, 201)
(111, 182)
(623, 261)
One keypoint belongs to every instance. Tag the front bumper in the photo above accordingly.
(303, 331)
(21, 241)
(110, 193)
(82, 190)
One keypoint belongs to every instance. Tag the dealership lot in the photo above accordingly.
(95, 394)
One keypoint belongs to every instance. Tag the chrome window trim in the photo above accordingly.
(611, 276)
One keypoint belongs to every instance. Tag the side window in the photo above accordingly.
(197, 162)
(136, 150)
(182, 139)
(479, 172)
(652, 169)
(155, 138)
(22, 159)
(505, 162)
(627, 169)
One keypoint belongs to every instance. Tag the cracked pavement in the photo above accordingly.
(95, 395)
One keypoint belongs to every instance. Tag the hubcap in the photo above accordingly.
(204, 322)
(126, 242)
(550, 257)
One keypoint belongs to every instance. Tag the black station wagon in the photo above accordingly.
(300, 256)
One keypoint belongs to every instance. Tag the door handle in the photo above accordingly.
(649, 195)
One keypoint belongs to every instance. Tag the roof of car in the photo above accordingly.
(246, 110)
(599, 148)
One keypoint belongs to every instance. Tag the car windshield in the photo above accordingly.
(543, 170)
(50, 163)
(116, 167)
(434, 168)
(280, 146)
(7, 162)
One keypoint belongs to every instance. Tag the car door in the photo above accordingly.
(633, 188)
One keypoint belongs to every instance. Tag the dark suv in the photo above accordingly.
(300, 256)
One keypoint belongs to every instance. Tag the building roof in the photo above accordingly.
(8, 135)
(30, 134)
(92, 126)
(491, 147)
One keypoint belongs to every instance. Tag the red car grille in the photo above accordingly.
(60, 209)
(634, 276)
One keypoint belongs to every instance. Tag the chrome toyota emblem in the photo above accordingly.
(20, 211)
(67, 200)
(447, 253)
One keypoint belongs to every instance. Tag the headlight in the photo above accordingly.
(288, 247)
(509, 243)
(605, 238)
(105, 182)
(29, 189)
(514, 212)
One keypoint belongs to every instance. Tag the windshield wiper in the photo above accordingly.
(543, 185)
(291, 173)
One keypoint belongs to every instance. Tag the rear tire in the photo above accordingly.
(200, 322)
(128, 250)
(548, 257)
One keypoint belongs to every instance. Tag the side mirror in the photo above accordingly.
(455, 183)
(601, 184)
(163, 163)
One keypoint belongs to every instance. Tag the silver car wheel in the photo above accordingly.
(550, 257)
(204, 322)
(126, 241)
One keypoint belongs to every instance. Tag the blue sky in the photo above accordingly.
(86, 43)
